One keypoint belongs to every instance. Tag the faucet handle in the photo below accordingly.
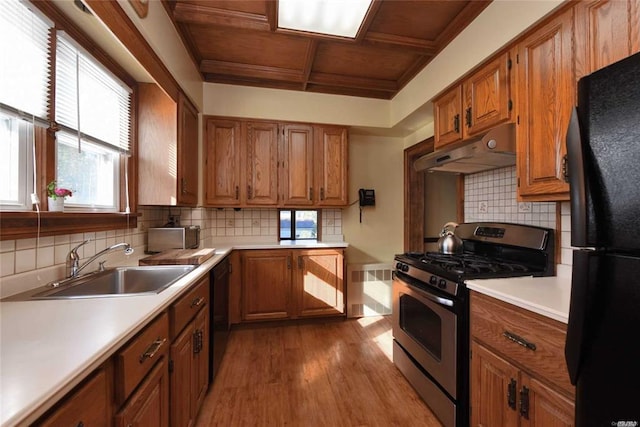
(101, 265)
(75, 250)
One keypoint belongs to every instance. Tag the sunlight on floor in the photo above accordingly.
(384, 340)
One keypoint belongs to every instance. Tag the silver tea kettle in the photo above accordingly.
(449, 243)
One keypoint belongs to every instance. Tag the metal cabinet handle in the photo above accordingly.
(310, 193)
(289, 263)
(198, 336)
(249, 195)
(519, 340)
(456, 123)
(300, 263)
(183, 185)
(152, 350)
(524, 402)
(196, 302)
(468, 117)
(565, 168)
(321, 193)
(237, 192)
(511, 394)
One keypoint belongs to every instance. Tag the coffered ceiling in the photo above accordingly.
(238, 42)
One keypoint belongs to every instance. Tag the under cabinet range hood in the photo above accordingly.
(495, 149)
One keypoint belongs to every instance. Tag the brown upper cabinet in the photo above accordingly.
(480, 102)
(259, 163)
(546, 95)
(606, 31)
(167, 148)
(222, 162)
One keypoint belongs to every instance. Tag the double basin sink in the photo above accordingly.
(118, 281)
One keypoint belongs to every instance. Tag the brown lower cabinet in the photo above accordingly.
(518, 373)
(158, 378)
(288, 284)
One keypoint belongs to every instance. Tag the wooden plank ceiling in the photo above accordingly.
(238, 42)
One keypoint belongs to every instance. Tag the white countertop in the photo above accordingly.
(548, 296)
(48, 346)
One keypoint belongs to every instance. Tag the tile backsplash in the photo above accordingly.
(28, 263)
(491, 196)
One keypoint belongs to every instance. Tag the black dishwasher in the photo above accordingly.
(218, 316)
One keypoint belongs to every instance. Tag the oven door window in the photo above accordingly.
(422, 324)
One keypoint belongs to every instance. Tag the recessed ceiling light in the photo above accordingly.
(334, 17)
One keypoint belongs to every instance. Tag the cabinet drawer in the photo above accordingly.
(138, 356)
(88, 405)
(185, 309)
(531, 341)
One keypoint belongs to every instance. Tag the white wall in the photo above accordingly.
(377, 163)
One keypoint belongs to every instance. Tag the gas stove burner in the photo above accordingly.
(468, 263)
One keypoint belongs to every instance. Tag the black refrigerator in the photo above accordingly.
(602, 350)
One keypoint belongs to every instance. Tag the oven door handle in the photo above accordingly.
(434, 298)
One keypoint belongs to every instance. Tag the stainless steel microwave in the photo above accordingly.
(162, 239)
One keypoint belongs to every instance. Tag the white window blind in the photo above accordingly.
(90, 101)
(24, 60)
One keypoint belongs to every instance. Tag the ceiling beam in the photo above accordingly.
(188, 13)
(209, 66)
(309, 60)
(421, 46)
(368, 19)
(339, 80)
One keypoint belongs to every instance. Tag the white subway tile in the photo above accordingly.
(25, 260)
(7, 246)
(7, 263)
(45, 257)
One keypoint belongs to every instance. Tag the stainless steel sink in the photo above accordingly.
(117, 281)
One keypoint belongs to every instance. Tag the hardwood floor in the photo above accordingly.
(337, 373)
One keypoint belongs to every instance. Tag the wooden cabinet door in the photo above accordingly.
(331, 166)
(201, 360)
(494, 386)
(89, 405)
(545, 99)
(261, 163)
(149, 404)
(605, 32)
(487, 96)
(181, 374)
(222, 165)
(266, 284)
(188, 158)
(319, 288)
(544, 407)
(157, 146)
(448, 118)
(297, 172)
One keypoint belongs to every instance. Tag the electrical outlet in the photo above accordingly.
(524, 207)
(483, 207)
(230, 222)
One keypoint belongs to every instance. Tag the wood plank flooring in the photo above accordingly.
(337, 373)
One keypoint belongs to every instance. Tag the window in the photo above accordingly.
(16, 164)
(298, 224)
(93, 112)
(24, 81)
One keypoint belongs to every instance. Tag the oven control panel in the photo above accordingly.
(427, 278)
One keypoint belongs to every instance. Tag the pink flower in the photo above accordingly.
(63, 192)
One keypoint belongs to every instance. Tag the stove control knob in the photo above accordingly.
(433, 280)
(405, 268)
(398, 266)
(442, 284)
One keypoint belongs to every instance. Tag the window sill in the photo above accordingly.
(24, 225)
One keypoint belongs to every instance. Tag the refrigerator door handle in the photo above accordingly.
(584, 276)
(577, 182)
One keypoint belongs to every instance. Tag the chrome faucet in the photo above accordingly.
(73, 259)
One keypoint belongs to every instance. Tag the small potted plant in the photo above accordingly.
(56, 196)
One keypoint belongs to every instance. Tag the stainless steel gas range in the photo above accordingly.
(431, 307)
